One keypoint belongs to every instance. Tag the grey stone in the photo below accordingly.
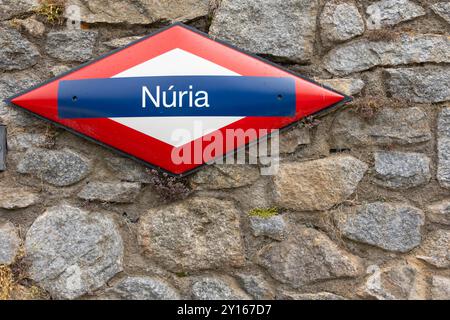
(389, 126)
(116, 192)
(12, 8)
(10, 243)
(273, 227)
(16, 52)
(420, 84)
(256, 286)
(340, 21)
(360, 55)
(145, 288)
(140, 11)
(440, 289)
(442, 9)
(72, 45)
(225, 177)
(121, 42)
(306, 257)
(443, 146)
(216, 289)
(439, 212)
(391, 12)
(390, 226)
(281, 28)
(196, 234)
(128, 170)
(319, 184)
(321, 296)
(16, 198)
(401, 170)
(73, 252)
(291, 140)
(57, 167)
(26, 140)
(31, 26)
(58, 70)
(435, 250)
(348, 86)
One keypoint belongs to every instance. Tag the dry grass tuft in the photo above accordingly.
(52, 11)
(6, 282)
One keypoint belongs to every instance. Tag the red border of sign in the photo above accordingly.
(211, 53)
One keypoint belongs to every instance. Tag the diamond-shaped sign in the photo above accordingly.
(174, 53)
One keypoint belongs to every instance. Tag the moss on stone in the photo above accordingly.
(265, 213)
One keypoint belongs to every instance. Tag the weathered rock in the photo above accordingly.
(440, 289)
(435, 250)
(16, 198)
(225, 177)
(420, 84)
(31, 26)
(443, 146)
(27, 140)
(10, 243)
(145, 288)
(442, 9)
(197, 234)
(389, 126)
(401, 170)
(121, 42)
(439, 212)
(400, 281)
(318, 184)
(291, 140)
(216, 289)
(128, 170)
(340, 21)
(12, 8)
(321, 296)
(391, 12)
(73, 252)
(72, 45)
(58, 70)
(256, 286)
(273, 227)
(117, 192)
(348, 86)
(140, 11)
(307, 256)
(16, 52)
(361, 55)
(57, 167)
(281, 28)
(390, 226)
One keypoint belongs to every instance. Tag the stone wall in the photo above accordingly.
(361, 204)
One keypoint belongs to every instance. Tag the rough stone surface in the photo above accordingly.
(256, 286)
(31, 26)
(319, 184)
(435, 250)
(291, 140)
(348, 86)
(73, 252)
(440, 289)
(58, 70)
(321, 296)
(27, 140)
(75, 45)
(274, 227)
(401, 170)
(391, 12)
(364, 54)
(16, 198)
(57, 167)
(225, 177)
(442, 9)
(389, 126)
(128, 170)
(199, 233)
(439, 212)
(10, 243)
(420, 84)
(216, 289)
(443, 146)
(145, 288)
(117, 192)
(140, 11)
(307, 256)
(121, 42)
(16, 52)
(390, 226)
(340, 21)
(12, 8)
(266, 26)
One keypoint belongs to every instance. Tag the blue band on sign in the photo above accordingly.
(180, 96)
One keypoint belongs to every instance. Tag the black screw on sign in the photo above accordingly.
(3, 147)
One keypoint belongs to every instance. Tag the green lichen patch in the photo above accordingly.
(265, 213)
